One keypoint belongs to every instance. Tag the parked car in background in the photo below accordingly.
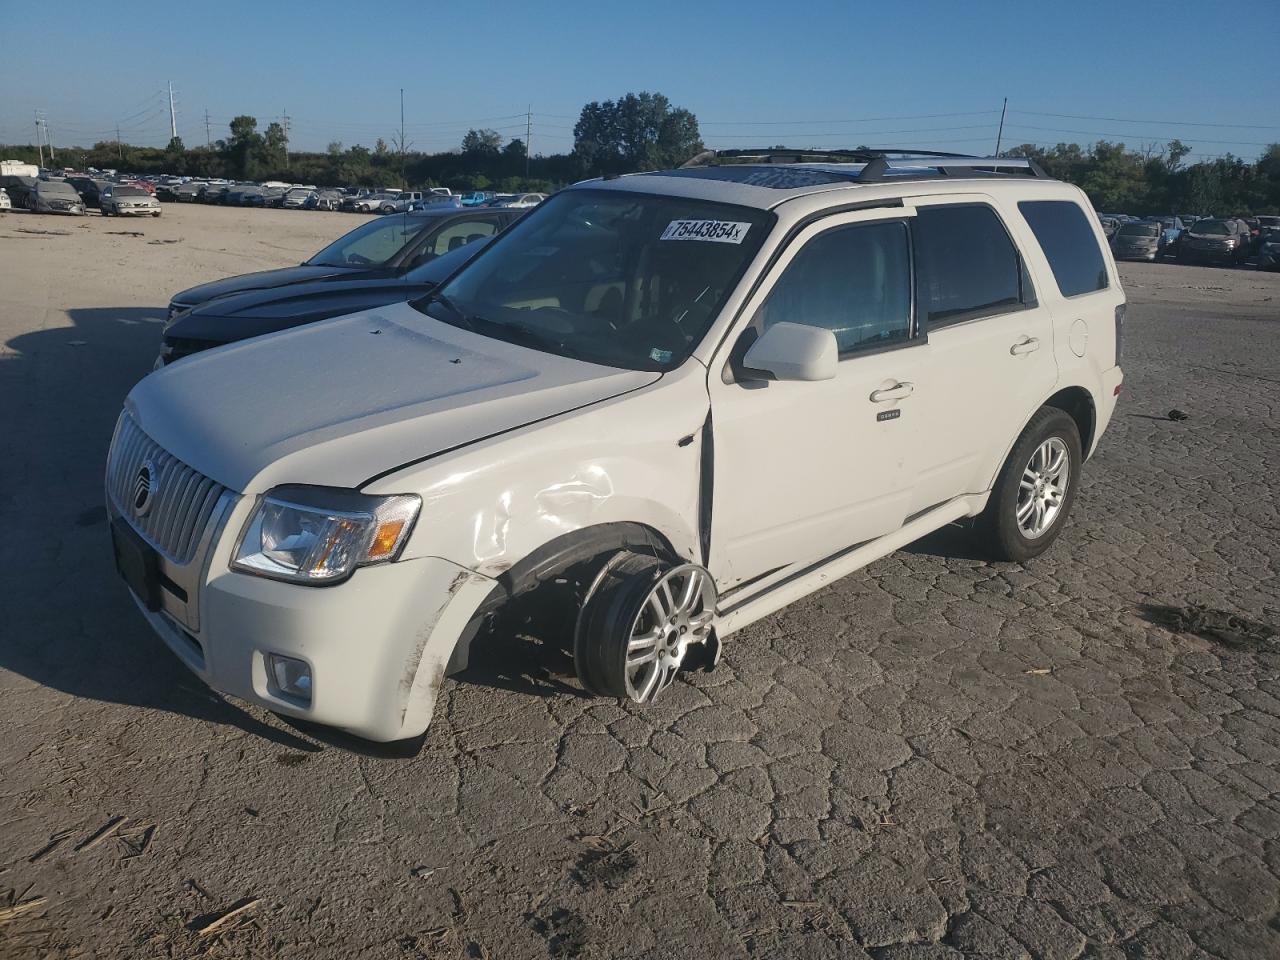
(167, 192)
(5, 202)
(296, 198)
(1269, 248)
(476, 198)
(373, 202)
(1109, 226)
(379, 248)
(1216, 241)
(54, 196)
(521, 201)
(88, 188)
(128, 201)
(324, 200)
(189, 192)
(1268, 224)
(1137, 240)
(1170, 233)
(214, 193)
(18, 187)
(240, 316)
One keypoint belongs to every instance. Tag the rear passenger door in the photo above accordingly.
(991, 359)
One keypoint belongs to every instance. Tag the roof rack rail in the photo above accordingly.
(878, 163)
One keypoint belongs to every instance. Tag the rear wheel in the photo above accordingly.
(1035, 489)
(638, 623)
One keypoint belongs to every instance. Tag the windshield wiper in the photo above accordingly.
(464, 321)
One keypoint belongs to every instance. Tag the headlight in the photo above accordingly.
(175, 308)
(319, 535)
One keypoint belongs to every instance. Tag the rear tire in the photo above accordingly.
(1035, 489)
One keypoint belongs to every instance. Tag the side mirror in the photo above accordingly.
(794, 351)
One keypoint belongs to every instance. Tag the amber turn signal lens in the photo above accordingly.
(384, 541)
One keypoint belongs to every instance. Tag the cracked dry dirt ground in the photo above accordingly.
(933, 758)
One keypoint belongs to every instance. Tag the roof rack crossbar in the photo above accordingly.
(880, 162)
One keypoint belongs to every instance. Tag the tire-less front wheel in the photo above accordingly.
(1035, 489)
(638, 623)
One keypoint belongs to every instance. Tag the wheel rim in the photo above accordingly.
(678, 611)
(1043, 488)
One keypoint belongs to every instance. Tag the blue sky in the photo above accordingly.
(754, 73)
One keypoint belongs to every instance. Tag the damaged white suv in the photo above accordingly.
(656, 409)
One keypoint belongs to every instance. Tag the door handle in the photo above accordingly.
(897, 392)
(1025, 345)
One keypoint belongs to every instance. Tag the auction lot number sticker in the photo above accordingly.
(714, 231)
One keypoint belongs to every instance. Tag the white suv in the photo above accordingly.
(656, 409)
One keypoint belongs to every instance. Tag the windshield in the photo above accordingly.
(375, 242)
(57, 186)
(1140, 230)
(1271, 222)
(1216, 228)
(130, 192)
(437, 268)
(623, 279)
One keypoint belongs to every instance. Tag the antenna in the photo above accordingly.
(1000, 132)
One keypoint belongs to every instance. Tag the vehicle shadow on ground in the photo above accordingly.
(61, 390)
(955, 541)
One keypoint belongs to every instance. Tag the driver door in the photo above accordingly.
(806, 470)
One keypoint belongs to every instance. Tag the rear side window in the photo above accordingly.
(966, 265)
(1069, 244)
(854, 281)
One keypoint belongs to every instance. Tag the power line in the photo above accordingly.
(1140, 136)
(1175, 123)
(775, 123)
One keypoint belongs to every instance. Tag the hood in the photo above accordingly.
(267, 279)
(240, 316)
(340, 402)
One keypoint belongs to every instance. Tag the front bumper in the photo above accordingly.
(1211, 254)
(377, 645)
(138, 211)
(1149, 255)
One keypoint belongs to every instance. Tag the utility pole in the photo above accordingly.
(1000, 132)
(49, 140)
(528, 135)
(284, 122)
(208, 135)
(119, 145)
(402, 136)
(39, 141)
(173, 117)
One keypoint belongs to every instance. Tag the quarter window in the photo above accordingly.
(854, 281)
(1069, 244)
(966, 265)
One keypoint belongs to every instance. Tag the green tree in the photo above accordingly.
(243, 149)
(175, 156)
(635, 132)
(485, 143)
(275, 147)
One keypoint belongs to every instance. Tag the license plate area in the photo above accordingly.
(138, 564)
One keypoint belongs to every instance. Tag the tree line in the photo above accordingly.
(645, 131)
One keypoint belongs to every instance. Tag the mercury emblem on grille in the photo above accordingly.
(142, 485)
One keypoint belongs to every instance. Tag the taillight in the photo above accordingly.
(1120, 309)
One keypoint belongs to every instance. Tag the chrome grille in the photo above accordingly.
(182, 499)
